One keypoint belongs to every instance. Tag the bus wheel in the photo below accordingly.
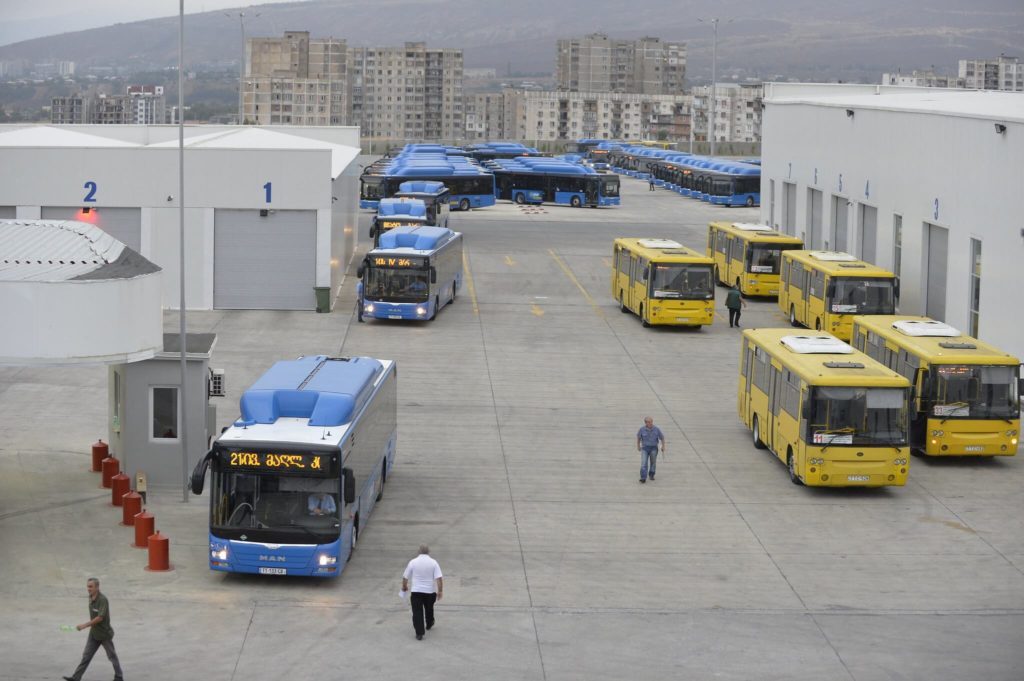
(520, 199)
(791, 465)
(817, 324)
(437, 304)
(455, 286)
(750, 201)
(355, 538)
(756, 430)
(622, 303)
(464, 204)
(792, 316)
(643, 320)
(575, 202)
(380, 480)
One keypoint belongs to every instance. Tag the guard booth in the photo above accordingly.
(145, 406)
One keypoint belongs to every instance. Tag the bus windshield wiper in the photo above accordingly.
(835, 431)
(955, 405)
(311, 533)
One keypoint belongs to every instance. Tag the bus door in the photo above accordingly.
(634, 276)
(748, 371)
(774, 398)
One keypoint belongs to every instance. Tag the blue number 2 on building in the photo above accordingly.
(91, 196)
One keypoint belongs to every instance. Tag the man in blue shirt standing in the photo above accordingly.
(647, 439)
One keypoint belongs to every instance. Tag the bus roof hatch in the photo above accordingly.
(750, 227)
(832, 256)
(925, 327)
(812, 345)
(659, 243)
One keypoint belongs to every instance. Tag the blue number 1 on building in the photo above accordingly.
(266, 188)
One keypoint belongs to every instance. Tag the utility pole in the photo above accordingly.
(241, 63)
(714, 78)
(182, 335)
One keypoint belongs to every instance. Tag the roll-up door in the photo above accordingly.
(124, 224)
(935, 274)
(814, 235)
(8, 212)
(264, 263)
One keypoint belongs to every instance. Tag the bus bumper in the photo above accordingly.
(368, 205)
(971, 438)
(255, 558)
(609, 201)
(378, 310)
(883, 468)
(668, 316)
(756, 287)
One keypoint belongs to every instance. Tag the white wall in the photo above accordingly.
(902, 163)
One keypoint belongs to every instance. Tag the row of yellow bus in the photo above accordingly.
(836, 413)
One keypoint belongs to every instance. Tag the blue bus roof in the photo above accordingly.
(414, 208)
(416, 238)
(323, 389)
(422, 187)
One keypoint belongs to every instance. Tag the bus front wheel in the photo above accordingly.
(381, 480)
(575, 202)
(520, 199)
(756, 430)
(817, 324)
(750, 201)
(464, 204)
(355, 538)
(437, 303)
(643, 320)
(791, 465)
(622, 302)
(792, 316)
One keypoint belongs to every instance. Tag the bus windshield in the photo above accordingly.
(690, 282)
(373, 188)
(855, 416)
(289, 506)
(766, 258)
(863, 296)
(610, 187)
(396, 285)
(979, 392)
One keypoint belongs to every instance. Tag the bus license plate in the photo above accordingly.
(394, 316)
(858, 478)
(682, 319)
(974, 448)
(273, 571)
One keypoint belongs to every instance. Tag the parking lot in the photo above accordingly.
(518, 408)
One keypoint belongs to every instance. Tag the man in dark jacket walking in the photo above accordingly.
(100, 633)
(734, 301)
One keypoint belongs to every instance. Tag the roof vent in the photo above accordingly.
(814, 345)
(958, 346)
(925, 327)
(659, 243)
(843, 365)
(748, 227)
(852, 265)
(832, 256)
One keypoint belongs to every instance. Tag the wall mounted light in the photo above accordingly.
(264, 212)
(1000, 129)
(849, 113)
(85, 210)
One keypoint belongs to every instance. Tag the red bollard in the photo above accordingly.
(159, 553)
(111, 467)
(131, 503)
(144, 524)
(100, 451)
(120, 485)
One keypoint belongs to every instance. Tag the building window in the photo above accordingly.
(975, 301)
(163, 407)
(897, 244)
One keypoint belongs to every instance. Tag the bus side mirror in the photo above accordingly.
(896, 288)
(199, 474)
(348, 485)
(1020, 387)
(805, 412)
(373, 231)
(830, 291)
(360, 271)
(433, 275)
(644, 275)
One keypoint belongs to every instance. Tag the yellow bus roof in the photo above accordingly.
(662, 250)
(813, 367)
(834, 263)
(932, 347)
(755, 233)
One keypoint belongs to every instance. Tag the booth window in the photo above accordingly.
(164, 410)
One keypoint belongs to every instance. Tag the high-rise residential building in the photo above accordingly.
(147, 105)
(295, 80)
(922, 79)
(1004, 73)
(111, 110)
(71, 110)
(538, 115)
(597, 63)
(485, 116)
(737, 112)
(408, 93)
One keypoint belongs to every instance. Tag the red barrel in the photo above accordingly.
(144, 524)
(120, 485)
(159, 553)
(111, 467)
(131, 503)
(100, 451)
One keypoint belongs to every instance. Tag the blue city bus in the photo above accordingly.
(412, 273)
(434, 195)
(719, 181)
(397, 212)
(536, 181)
(471, 186)
(294, 480)
(488, 151)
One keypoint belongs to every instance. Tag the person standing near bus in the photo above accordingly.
(647, 439)
(427, 587)
(100, 632)
(734, 301)
(359, 301)
(651, 184)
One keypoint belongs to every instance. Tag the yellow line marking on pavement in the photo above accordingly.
(536, 310)
(509, 261)
(469, 283)
(565, 268)
(607, 262)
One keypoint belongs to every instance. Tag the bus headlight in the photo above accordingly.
(369, 307)
(218, 552)
(899, 462)
(327, 560)
(421, 310)
(938, 433)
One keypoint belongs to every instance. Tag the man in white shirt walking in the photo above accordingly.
(423, 572)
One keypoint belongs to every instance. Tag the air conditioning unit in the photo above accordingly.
(216, 383)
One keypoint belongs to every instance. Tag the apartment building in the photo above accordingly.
(597, 63)
(296, 80)
(564, 115)
(71, 110)
(485, 116)
(737, 112)
(922, 79)
(141, 104)
(1004, 73)
(409, 92)
(147, 105)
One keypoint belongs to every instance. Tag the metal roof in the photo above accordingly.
(53, 136)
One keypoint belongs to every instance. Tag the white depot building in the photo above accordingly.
(921, 181)
(270, 212)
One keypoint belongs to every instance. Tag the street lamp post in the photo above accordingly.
(182, 401)
(714, 77)
(241, 63)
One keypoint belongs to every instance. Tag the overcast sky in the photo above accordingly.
(24, 19)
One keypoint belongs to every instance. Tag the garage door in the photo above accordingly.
(124, 224)
(8, 212)
(264, 263)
